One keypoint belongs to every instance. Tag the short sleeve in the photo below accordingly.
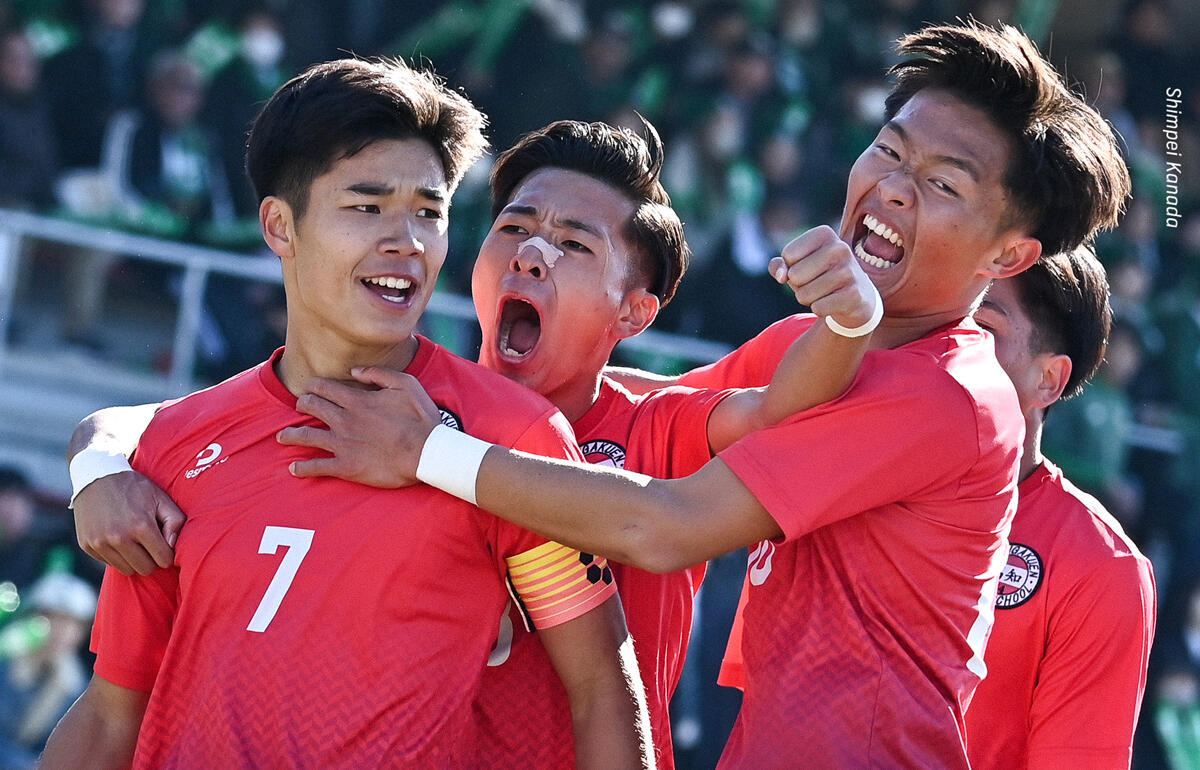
(1093, 675)
(671, 429)
(753, 364)
(551, 583)
(133, 626)
(896, 439)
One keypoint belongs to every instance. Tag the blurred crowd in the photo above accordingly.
(132, 113)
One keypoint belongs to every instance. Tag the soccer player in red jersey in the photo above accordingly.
(1066, 662)
(881, 516)
(319, 623)
(583, 251)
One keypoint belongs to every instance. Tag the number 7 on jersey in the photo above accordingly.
(297, 541)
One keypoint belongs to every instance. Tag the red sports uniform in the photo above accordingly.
(864, 625)
(523, 706)
(1074, 622)
(317, 622)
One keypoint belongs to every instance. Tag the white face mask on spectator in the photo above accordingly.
(262, 47)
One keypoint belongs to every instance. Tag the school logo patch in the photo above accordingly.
(1020, 578)
(450, 419)
(601, 452)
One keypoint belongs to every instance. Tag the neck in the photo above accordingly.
(575, 398)
(1031, 452)
(304, 359)
(895, 331)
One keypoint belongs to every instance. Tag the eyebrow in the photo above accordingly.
(992, 306)
(380, 189)
(573, 224)
(962, 164)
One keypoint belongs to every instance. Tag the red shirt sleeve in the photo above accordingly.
(554, 584)
(133, 625)
(886, 440)
(1093, 675)
(753, 364)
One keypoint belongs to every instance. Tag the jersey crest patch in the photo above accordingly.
(450, 419)
(603, 452)
(1020, 578)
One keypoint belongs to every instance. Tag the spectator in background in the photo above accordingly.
(18, 555)
(174, 163)
(239, 91)
(41, 672)
(98, 76)
(28, 146)
(1177, 696)
(1089, 436)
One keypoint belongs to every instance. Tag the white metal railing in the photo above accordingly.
(197, 263)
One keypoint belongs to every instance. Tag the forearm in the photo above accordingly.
(612, 730)
(115, 429)
(655, 524)
(96, 732)
(818, 367)
(561, 500)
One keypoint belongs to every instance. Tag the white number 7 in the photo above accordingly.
(297, 541)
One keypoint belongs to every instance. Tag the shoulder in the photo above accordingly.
(210, 404)
(476, 399)
(1087, 531)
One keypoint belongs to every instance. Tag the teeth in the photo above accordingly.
(503, 342)
(882, 230)
(390, 282)
(871, 260)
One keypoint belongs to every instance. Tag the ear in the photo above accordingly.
(638, 310)
(1017, 256)
(278, 226)
(1055, 371)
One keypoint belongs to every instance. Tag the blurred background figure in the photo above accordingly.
(28, 143)
(20, 558)
(41, 671)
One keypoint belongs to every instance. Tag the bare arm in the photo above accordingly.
(820, 365)
(99, 731)
(662, 526)
(123, 519)
(593, 655)
(115, 429)
(638, 381)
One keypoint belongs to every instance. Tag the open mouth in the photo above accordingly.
(876, 244)
(398, 291)
(520, 328)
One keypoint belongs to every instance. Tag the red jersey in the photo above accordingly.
(316, 622)
(665, 435)
(1074, 622)
(864, 626)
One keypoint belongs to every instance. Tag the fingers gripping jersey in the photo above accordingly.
(316, 622)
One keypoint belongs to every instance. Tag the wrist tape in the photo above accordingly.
(450, 461)
(92, 464)
(858, 331)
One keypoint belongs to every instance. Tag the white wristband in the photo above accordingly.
(858, 331)
(450, 461)
(91, 464)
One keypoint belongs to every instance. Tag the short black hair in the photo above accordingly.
(632, 165)
(335, 109)
(1066, 297)
(1066, 178)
